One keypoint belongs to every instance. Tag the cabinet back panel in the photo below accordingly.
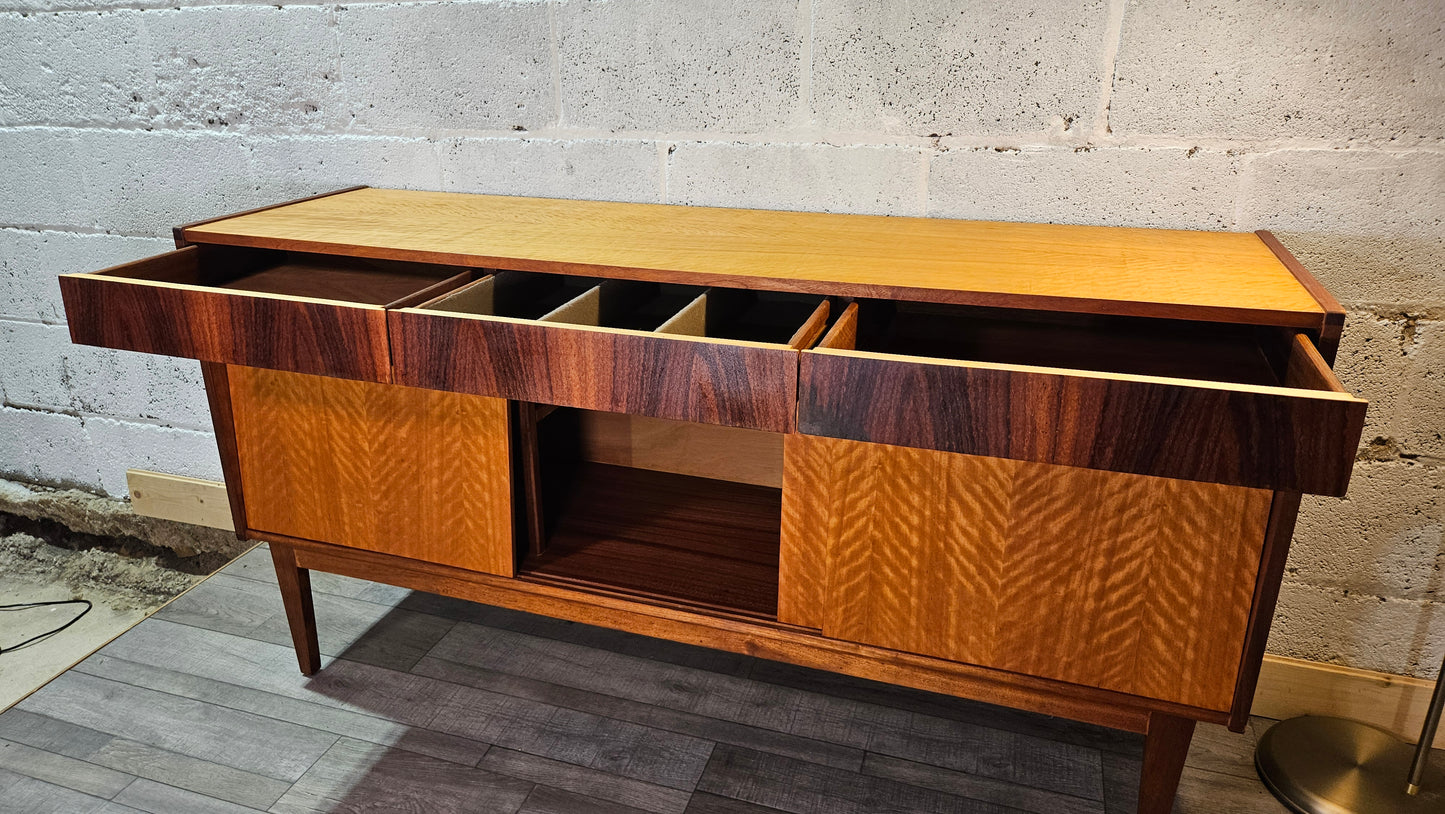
(1136, 584)
(713, 451)
(416, 473)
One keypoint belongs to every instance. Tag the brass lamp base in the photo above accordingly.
(1318, 765)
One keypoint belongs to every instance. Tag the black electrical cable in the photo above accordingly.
(48, 633)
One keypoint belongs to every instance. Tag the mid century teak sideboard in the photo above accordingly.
(1051, 467)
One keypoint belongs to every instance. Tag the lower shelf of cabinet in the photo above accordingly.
(656, 535)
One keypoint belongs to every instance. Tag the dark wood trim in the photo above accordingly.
(1279, 531)
(1267, 440)
(1333, 324)
(768, 640)
(179, 231)
(1166, 745)
(1030, 302)
(218, 394)
(295, 585)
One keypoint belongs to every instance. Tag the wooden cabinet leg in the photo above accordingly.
(296, 595)
(1165, 747)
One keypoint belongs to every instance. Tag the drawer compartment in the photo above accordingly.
(706, 355)
(271, 309)
(1229, 404)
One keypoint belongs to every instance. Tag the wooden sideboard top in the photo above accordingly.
(1238, 277)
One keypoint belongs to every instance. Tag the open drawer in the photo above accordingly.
(716, 356)
(261, 308)
(1230, 404)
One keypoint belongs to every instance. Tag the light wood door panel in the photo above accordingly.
(416, 473)
(1129, 583)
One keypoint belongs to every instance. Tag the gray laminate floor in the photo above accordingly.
(433, 705)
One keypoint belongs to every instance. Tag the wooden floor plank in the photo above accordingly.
(1200, 791)
(355, 776)
(974, 787)
(943, 706)
(192, 774)
(69, 772)
(123, 755)
(44, 732)
(803, 788)
(159, 798)
(547, 800)
(1216, 749)
(622, 709)
(23, 794)
(227, 604)
(1044, 764)
(333, 719)
(395, 696)
(599, 784)
(958, 745)
(617, 747)
(214, 734)
(704, 803)
(363, 631)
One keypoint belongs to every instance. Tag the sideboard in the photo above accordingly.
(1045, 466)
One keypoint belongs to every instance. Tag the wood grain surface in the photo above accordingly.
(674, 537)
(118, 310)
(416, 473)
(1261, 437)
(1200, 275)
(1135, 584)
(738, 384)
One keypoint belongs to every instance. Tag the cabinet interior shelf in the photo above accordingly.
(659, 535)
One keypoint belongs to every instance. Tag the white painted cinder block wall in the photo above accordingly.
(1323, 121)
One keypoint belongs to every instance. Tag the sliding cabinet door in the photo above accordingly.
(417, 473)
(1126, 582)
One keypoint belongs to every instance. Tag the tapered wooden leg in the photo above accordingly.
(1165, 747)
(296, 595)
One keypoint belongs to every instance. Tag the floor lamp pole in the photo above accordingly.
(1427, 734)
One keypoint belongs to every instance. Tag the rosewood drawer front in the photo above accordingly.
(1235, 405)
(713, 356)
(268, 309)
